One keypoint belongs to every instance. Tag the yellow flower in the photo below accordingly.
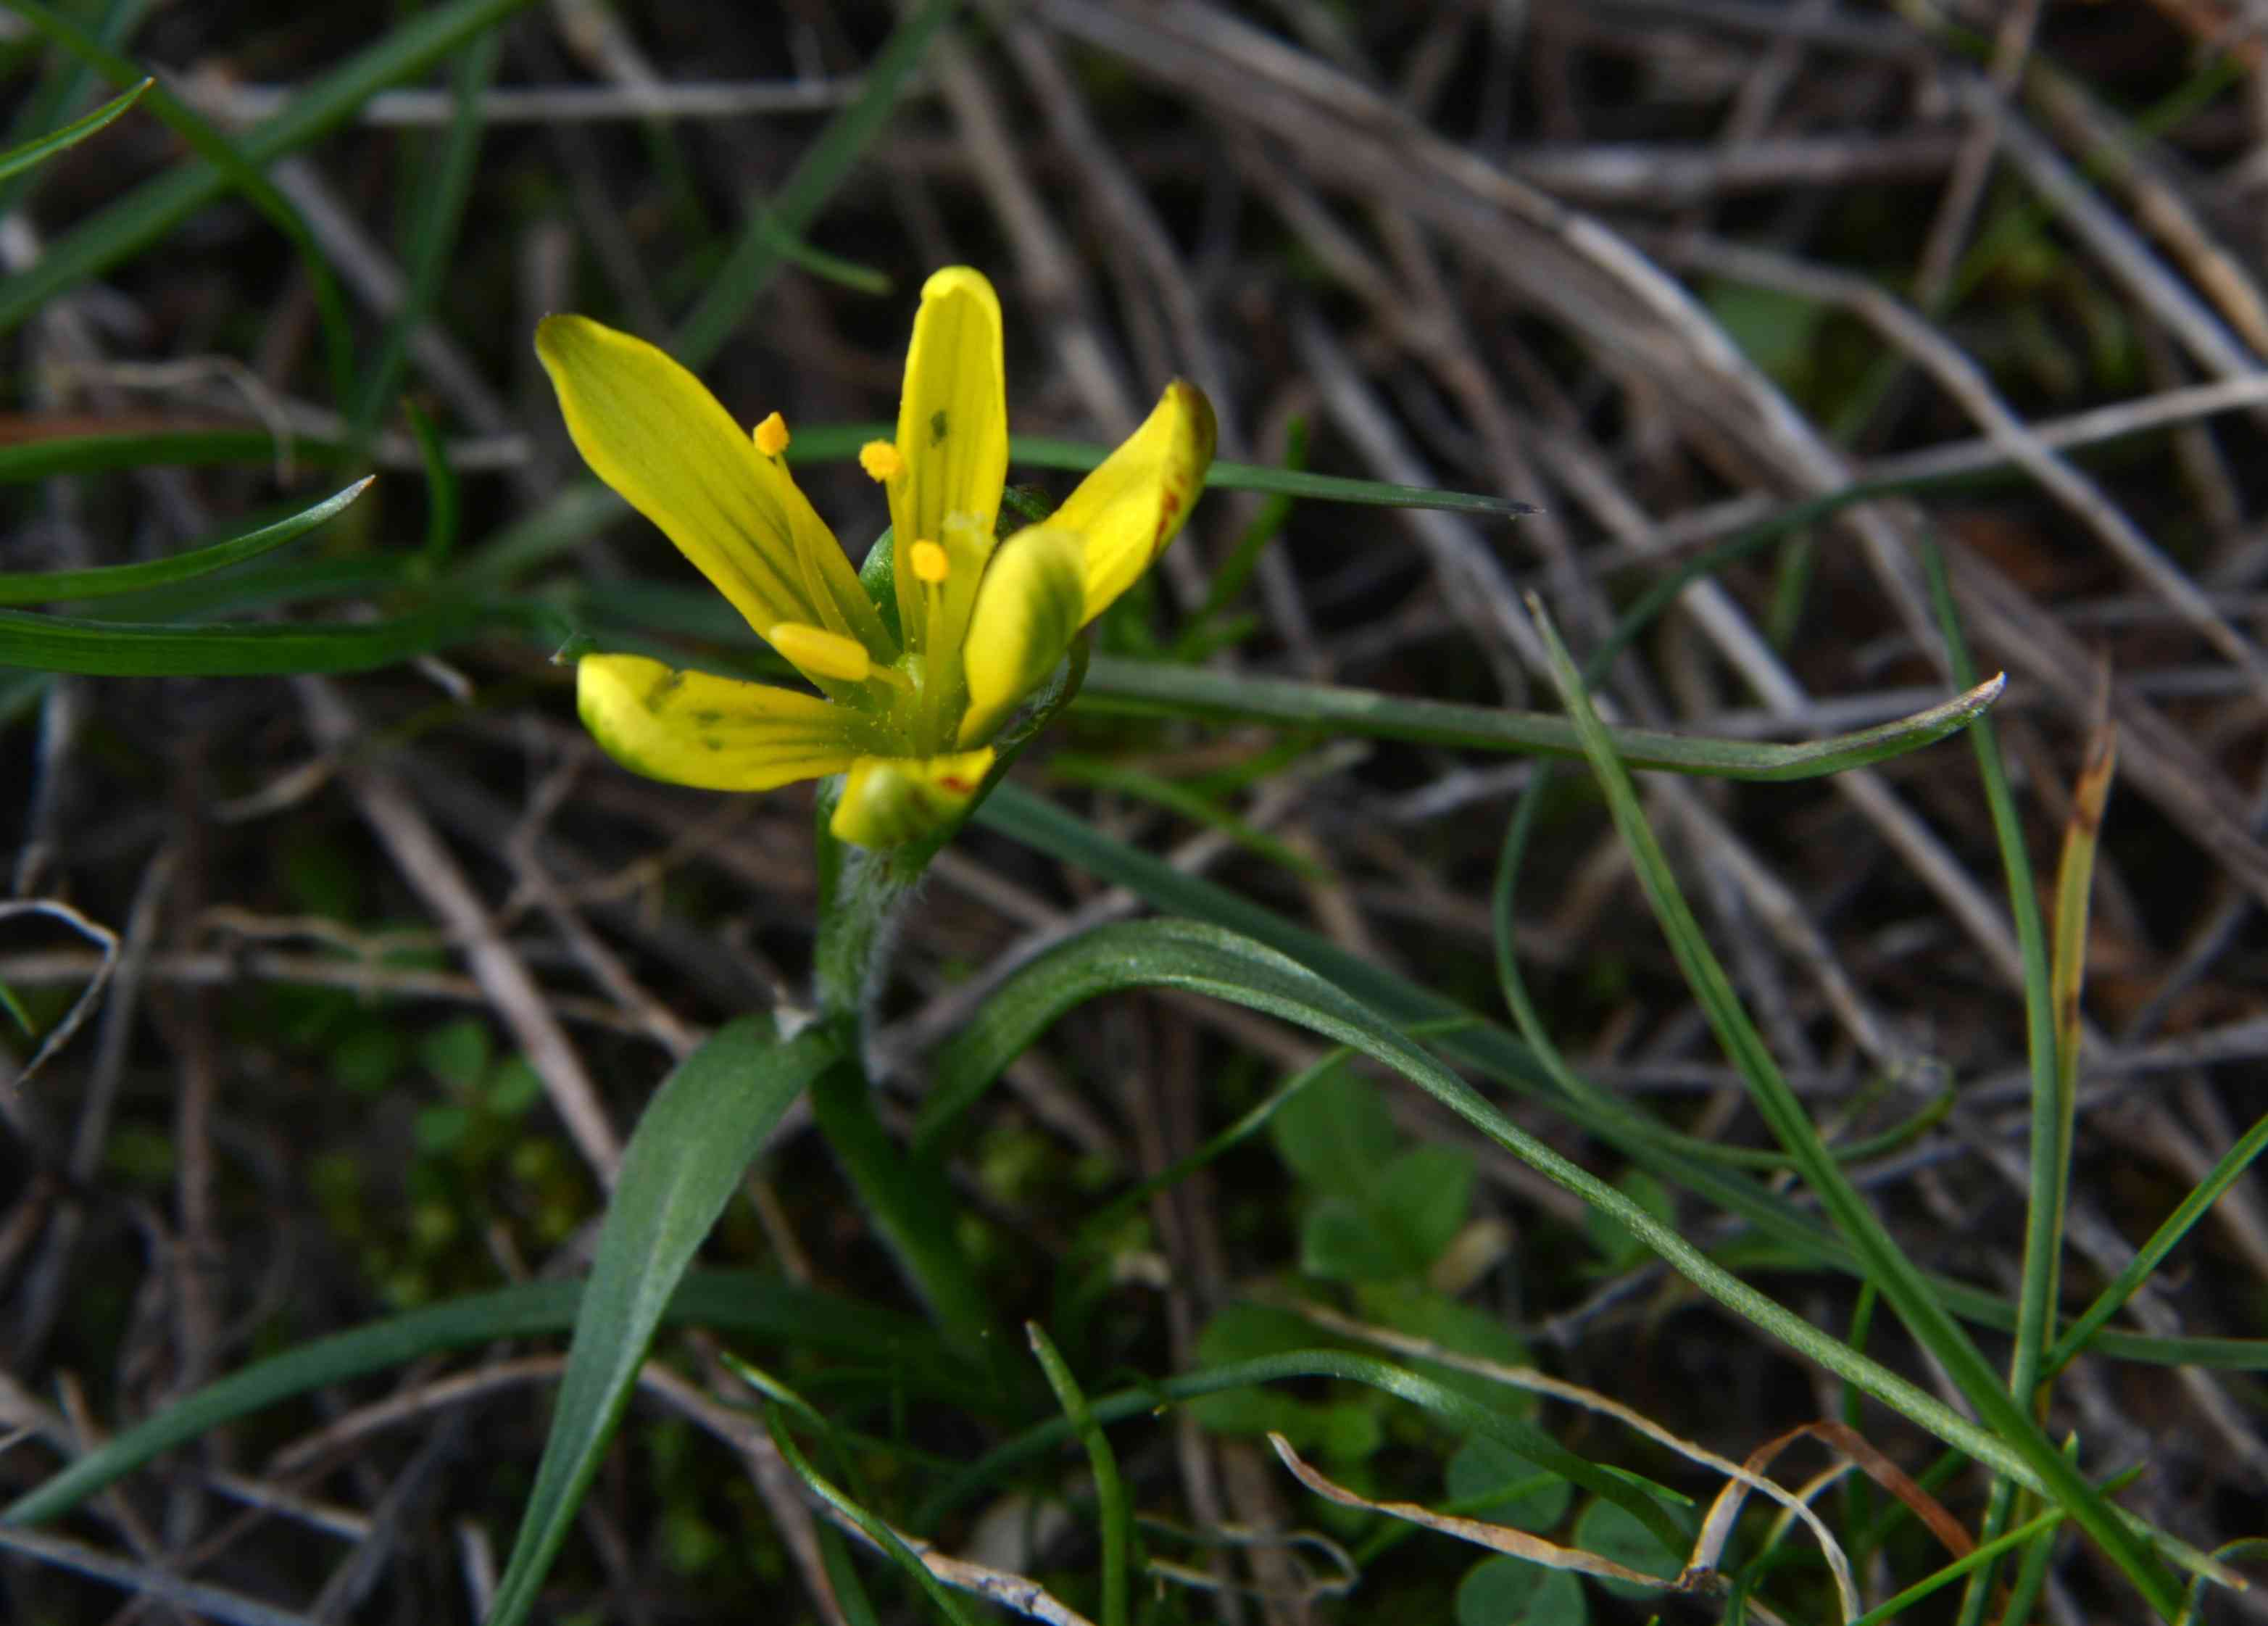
(907, 716)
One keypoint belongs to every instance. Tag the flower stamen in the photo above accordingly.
(931, 563)
(772, 436)
(881, 460)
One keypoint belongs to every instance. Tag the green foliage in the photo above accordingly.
(915, 1417)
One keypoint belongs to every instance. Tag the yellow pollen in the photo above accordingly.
(930, 562)
(772, 436)
(881, 460)
(822, 654)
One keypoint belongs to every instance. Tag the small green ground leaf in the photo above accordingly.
(1610, 1531)
(1485, 1481)
(684, 1160)
(1338, 1242)
(1510, 1591)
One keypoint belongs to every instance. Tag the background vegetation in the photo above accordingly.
(1283, 1051)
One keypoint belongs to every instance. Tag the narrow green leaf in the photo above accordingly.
(1483, 1046)
(109, 581)
(1195, 958)
(442, 501)
(885, 1539)
(753, 1306)
(1112, 1509)
(156, 206)
(40, 151)
(2082, 1333)
(1902, 1284)
(1156, 688)
(692, 1144)
(215, 148)
(142, 650)
(2049, 1145)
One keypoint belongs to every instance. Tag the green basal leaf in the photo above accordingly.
(691, 1149)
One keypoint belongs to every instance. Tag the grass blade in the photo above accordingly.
(1194, 958)
(789, 215)
(755, 1306)
(1112, 1508)
(17, 160)
(873, 1529)
(109, 581)
(1119, 686)
(691, 1146)
(431, 239)
(154, 208)
(146, 649)
(1909, 1294)
(1483, 1046)
(219, 150)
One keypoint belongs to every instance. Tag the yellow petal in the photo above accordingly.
(953, 417)
(1032, 604)
(1134, 503)
(717, 734)
(654, 432)
(889, 800)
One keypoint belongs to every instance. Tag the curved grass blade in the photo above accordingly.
(219, 150)
(63, 84)
(1112, 1509)
(691, 1146)
(20, 159)
(1483, 1046)
(442, 498)
(1885, 1263)
(1191, 957)
(873, 1529)
(156, 206)
(1156, 688)
(109, 581)
(753, 1307)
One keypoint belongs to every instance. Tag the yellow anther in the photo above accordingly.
(822, 654)
(772, 436)
(930, 562)
(881, 460)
